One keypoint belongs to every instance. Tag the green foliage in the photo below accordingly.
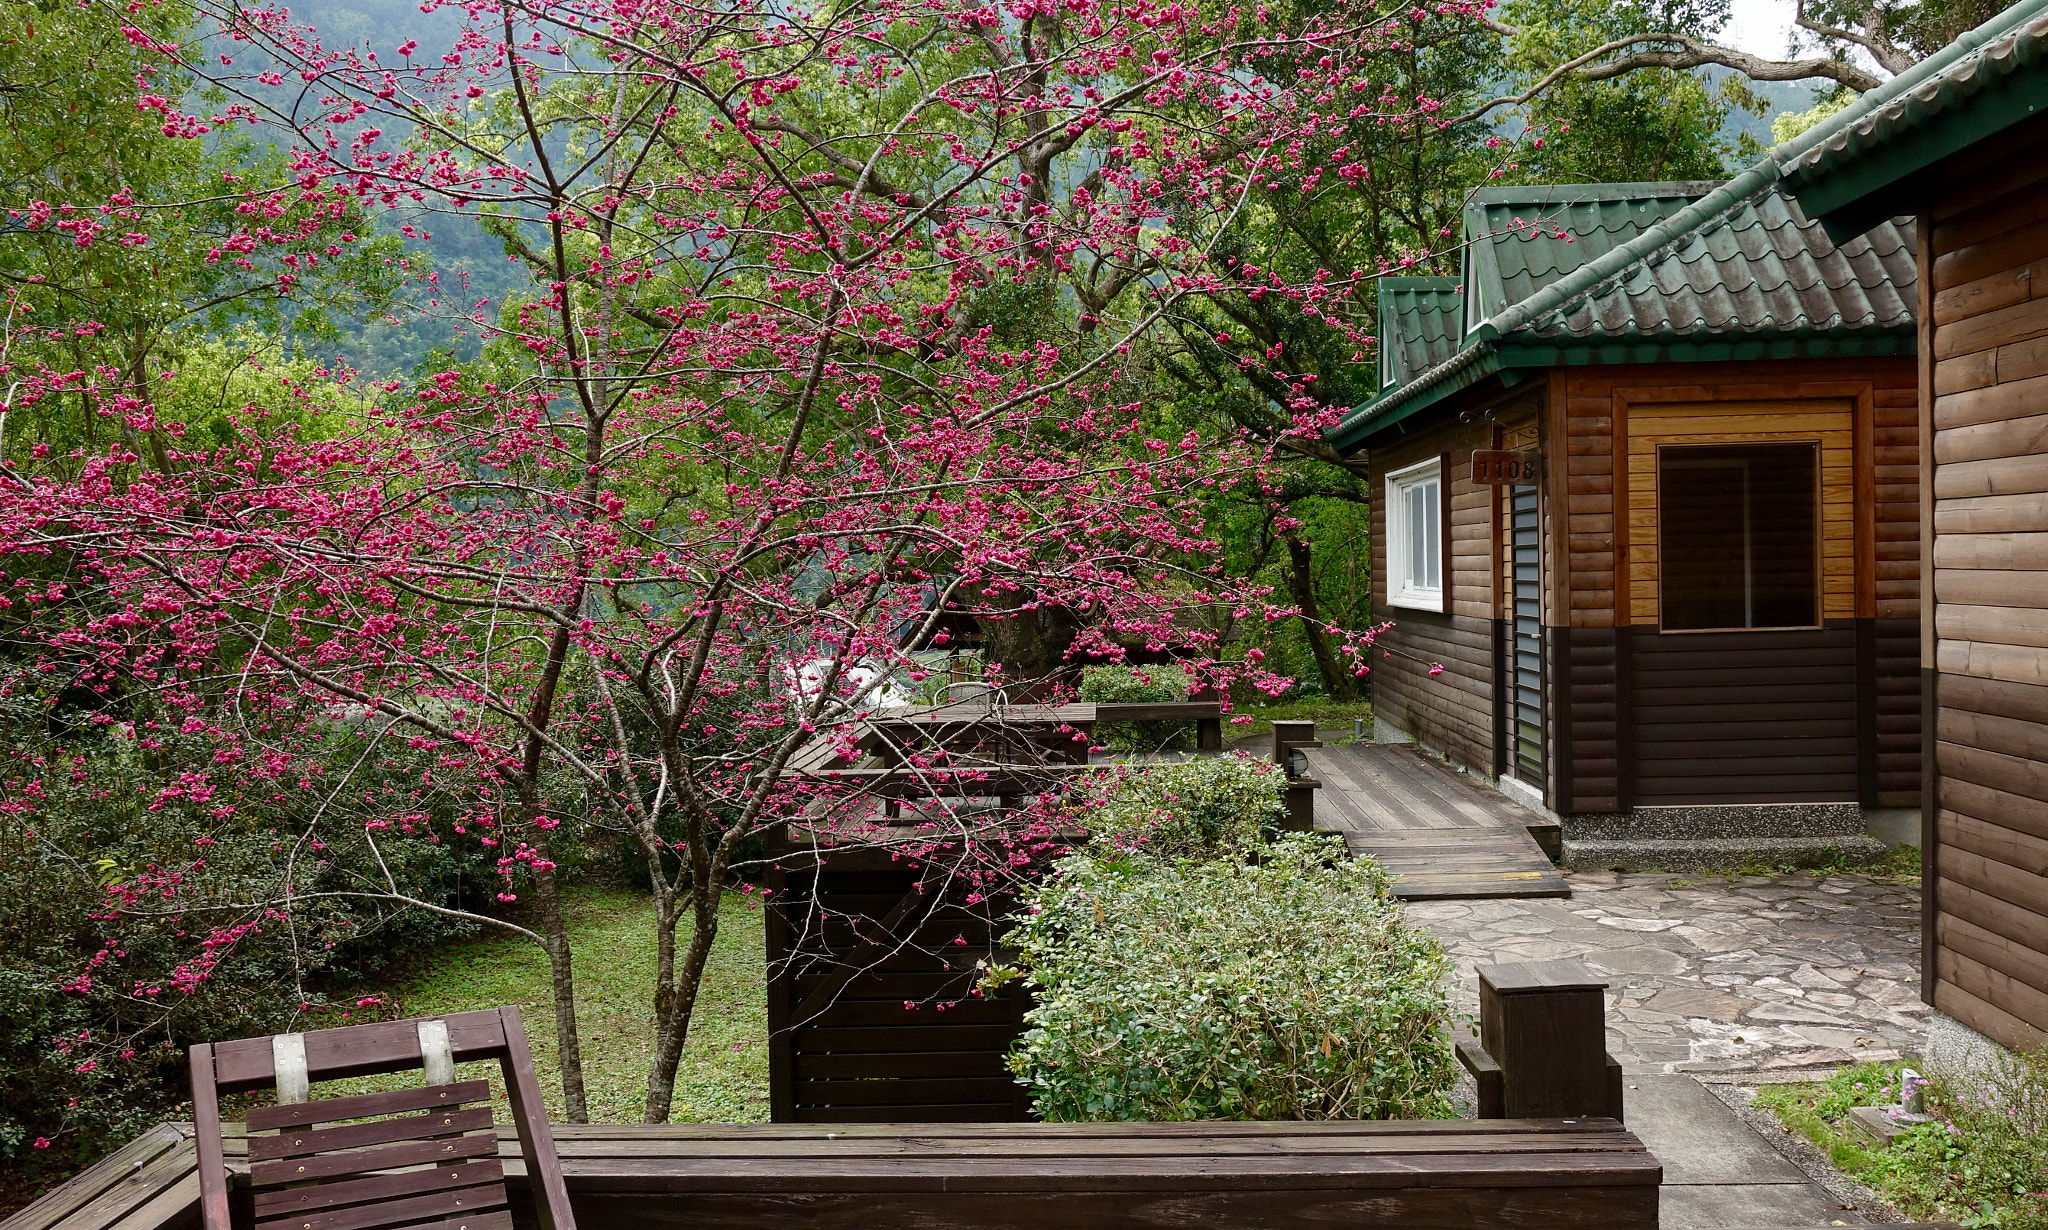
(1910, 29)
(1652, 124)
(1134, 684)
(107, 836)
(1208, 807)
(166, 273)
(1138, 685)
(1789, 124)
(1285, 986)
(1979, 1163)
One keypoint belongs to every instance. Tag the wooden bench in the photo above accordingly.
(1454, 1175)
(1444, 1175)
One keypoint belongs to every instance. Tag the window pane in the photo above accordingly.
(1433, 551)
(1737, 533)
(1418, 540)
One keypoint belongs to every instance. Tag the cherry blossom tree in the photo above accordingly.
(826, 348)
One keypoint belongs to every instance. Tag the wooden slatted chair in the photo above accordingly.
(377, 1161)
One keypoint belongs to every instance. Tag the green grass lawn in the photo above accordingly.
(724, 1073)
(1325, 713)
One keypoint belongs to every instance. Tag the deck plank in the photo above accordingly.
(95, 1181)
(1439, 835)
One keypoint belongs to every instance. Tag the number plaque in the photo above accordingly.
(1495, 467)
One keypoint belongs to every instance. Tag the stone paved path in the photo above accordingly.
(1716, 974)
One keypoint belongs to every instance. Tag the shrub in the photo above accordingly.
(127, 930)
(1283, 988)
(1134, 685)
(1138, 685)
(1980, 1162)
(1199, 809)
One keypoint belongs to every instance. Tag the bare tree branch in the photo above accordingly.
(1872, 38)
(1688, 52)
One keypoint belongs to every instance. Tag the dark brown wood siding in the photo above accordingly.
(1989, 345)
(1745, 717)
(1453, 712)
(897, 1034)
(1590, 698)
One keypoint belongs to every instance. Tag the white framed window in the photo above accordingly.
(1415, 537)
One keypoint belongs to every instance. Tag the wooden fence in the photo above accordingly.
(872, 1006)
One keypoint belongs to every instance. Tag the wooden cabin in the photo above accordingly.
(1683, 617)
(1961, 140)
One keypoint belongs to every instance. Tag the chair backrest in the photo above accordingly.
(374, 1161)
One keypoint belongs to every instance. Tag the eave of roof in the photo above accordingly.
(1984, 82)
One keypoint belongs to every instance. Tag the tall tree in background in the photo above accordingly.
(828, 340)
(108, 220)
(1861, 43)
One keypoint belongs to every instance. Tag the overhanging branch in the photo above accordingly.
(1666, 50)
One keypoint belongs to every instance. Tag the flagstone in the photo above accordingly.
(1767, 971)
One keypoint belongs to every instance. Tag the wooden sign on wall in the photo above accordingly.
(1495, 467)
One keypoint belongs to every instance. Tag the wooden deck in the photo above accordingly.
(1440, 835)
(1464, 1174)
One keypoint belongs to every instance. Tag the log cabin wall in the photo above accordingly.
(1452, 713)
(1987, 953)
(1646, 717)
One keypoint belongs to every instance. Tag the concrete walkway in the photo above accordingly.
(1718, 1172)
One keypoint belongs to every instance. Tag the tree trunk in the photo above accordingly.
(678, 1002)
(1337, 682)
(568, 1042)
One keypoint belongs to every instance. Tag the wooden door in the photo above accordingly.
(1524, 737)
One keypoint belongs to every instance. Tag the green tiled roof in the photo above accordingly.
(1520, 240)
(1853, 165)
(1420, 324)
(1758, 270)
(1631, 273)
(1741, 271)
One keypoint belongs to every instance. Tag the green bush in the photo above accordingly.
(128, 928)
(1138, 685)
(1199, 809)
(1286, 986)
(1134, 685)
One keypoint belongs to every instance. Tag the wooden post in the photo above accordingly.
(1300, 797)
(1542, 1050)
(1291, 734)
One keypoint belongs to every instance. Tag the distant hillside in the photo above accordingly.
(1783, 95)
